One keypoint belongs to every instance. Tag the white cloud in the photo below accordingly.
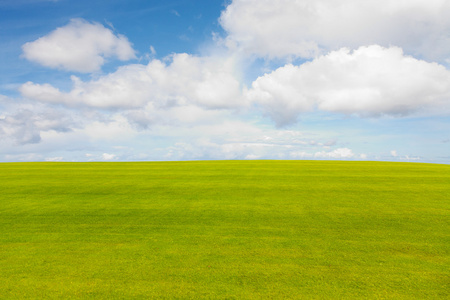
(369, 81)
(306, 28)
(79, 46)
(210, 148)
(108, 156)
(394, 153)
(177, 133)
(300, 155)
(4, 98)
(338, 153)
(238, 140)
(152, 51)
(42, 92)
(114, 128)
(205, 81)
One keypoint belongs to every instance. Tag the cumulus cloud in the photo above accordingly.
(79, 46)
(205, 81)
(370, 81)
(307, 28)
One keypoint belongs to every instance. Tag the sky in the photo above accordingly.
(154, 80)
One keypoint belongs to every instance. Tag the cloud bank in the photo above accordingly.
(308, 28)
(369, 82)
(181, 79)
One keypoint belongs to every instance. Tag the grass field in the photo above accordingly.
(225, 230)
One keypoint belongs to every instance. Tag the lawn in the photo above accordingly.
(225, 230)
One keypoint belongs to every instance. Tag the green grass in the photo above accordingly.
(225, 230)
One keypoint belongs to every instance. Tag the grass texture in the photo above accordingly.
(225, 230)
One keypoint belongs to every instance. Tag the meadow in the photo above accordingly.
(225, 230)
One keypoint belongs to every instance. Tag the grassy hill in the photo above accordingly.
(225, 230)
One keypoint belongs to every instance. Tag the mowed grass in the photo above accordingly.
(225, 230)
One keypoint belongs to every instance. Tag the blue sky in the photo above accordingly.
(243, 79)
